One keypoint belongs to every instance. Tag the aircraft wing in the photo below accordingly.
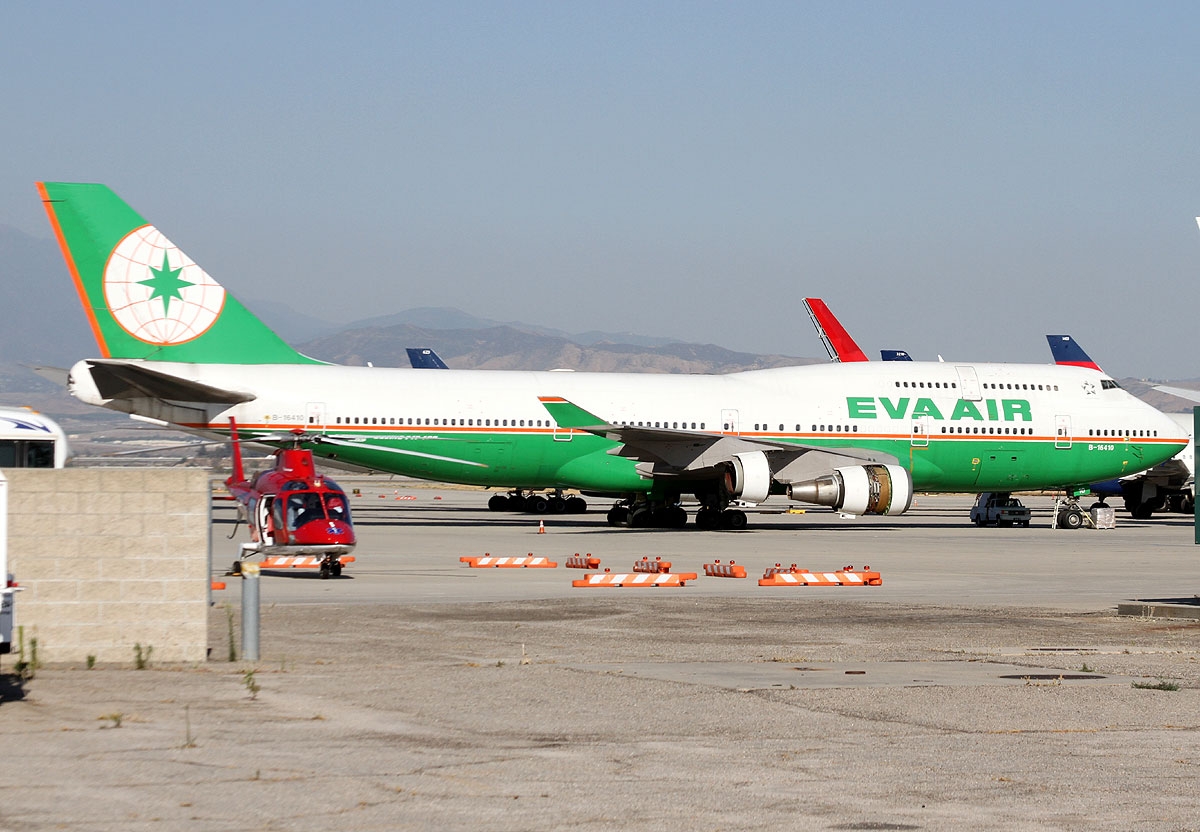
(116, 379)
(684, 453)
(1181, 392)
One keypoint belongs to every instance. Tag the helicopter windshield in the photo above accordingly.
(306, 506)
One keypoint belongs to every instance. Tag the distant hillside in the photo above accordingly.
(444, 318)
(507, 348)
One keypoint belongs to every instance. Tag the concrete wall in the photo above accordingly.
(110, 558)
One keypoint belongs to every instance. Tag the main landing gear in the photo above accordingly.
(554, 503)
(667, 514)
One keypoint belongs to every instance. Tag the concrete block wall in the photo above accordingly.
(110, 558)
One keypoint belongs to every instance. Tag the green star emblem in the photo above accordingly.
(165, 284)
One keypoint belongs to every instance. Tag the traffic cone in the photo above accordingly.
(541, 527)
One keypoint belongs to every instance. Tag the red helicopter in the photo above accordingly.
(297, 517)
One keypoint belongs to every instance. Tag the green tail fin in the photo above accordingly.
(143, 296)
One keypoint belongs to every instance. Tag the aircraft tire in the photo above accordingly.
(576, 505)
(618, 516)
(336, 569)
(537, 504)
(1071, 518)
(498, 502)
(734, 519)
(708, 519)
(640, 518)
(324, 571)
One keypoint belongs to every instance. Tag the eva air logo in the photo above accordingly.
(156, 293)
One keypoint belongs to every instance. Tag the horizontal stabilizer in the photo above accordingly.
(124, 380)
(58, 375)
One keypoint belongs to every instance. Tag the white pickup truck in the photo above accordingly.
(997, 509)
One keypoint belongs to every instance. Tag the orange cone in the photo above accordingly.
(541, 527)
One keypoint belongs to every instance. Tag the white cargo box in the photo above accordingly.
(1104, 518)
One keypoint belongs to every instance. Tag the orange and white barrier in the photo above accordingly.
(777, 568)
(716, 569)
(793, 576)
(297, 562)
(636, 579)
(578, 561)
(656, 566)
(527, 562)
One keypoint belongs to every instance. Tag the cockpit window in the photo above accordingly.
(1109, 384)
(306, 506)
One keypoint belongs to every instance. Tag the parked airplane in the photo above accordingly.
(837, 341)
(1068, 353)
(858, 437)
(1170, 484)
(423, 358)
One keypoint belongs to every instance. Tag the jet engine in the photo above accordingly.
(748, 477)
(859, 489)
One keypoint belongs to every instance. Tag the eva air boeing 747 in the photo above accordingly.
(858, 437)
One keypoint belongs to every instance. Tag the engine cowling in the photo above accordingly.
(749, 477)
(859, 489)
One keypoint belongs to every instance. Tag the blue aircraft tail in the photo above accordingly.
(423, 358)
(1066, 351)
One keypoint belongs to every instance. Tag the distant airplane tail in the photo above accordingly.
(837, 340)
(895, 355)
(143, 296)
(423, 358)
(1066, 351)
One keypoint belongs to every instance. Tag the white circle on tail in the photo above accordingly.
(156, 292)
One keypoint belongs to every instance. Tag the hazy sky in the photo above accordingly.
(953, 178)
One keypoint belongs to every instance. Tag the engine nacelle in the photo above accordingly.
(859, 489)
(749, 477)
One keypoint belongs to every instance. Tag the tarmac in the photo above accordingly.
(988, 682)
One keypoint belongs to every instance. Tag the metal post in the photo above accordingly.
(250, 612)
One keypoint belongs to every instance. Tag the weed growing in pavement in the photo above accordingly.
(141, 658)
(1086, 669)
(25, 668)
(91, 661)
(1161, 684)
(250, 683)
(115, 718)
